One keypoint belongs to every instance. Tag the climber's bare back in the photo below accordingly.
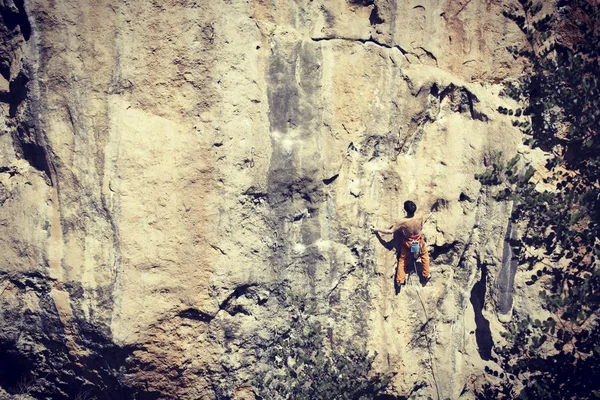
(410, 226)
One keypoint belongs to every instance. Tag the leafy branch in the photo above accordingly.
(560, 113)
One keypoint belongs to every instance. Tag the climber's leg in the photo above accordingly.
(424, 258)
(401, 272)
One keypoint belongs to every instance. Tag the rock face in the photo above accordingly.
(168, 169)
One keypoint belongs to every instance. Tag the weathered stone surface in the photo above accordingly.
(168, 169)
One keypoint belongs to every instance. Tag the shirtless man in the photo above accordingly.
(410, 229)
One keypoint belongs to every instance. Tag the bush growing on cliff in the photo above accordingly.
(503, 176)
(303, 363)
(562, 102)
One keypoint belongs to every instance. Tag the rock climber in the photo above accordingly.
(410, 230)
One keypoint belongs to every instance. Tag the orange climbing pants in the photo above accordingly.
(405, 254)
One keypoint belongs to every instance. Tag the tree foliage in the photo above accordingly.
(561, 114)
(304, 363)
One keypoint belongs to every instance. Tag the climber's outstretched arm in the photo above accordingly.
(390, 231)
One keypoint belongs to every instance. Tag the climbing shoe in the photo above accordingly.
(398, 286)
(426, 279)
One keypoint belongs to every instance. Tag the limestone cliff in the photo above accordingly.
(168, 169)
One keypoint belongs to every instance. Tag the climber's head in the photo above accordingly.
(410, 207)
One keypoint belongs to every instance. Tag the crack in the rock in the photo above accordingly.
(217, 248)
(342, 278)
(364, 41)
(198, 315)
(463, 7)
(429, 54)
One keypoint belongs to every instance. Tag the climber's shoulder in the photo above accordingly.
(401, 223)
(419, 217)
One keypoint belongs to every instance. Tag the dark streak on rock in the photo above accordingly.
(506, 276)
(293, 87)
(483, 335)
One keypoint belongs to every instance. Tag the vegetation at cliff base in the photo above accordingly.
(303, 362)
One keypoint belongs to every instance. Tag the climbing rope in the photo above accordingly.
(434, 369)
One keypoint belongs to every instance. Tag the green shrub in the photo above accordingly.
(303, 363)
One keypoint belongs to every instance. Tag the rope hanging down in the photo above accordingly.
(434, 369)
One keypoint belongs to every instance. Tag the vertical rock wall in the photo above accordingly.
(169, 168)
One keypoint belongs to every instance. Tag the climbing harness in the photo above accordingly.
(415, 245)
(434, 369)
